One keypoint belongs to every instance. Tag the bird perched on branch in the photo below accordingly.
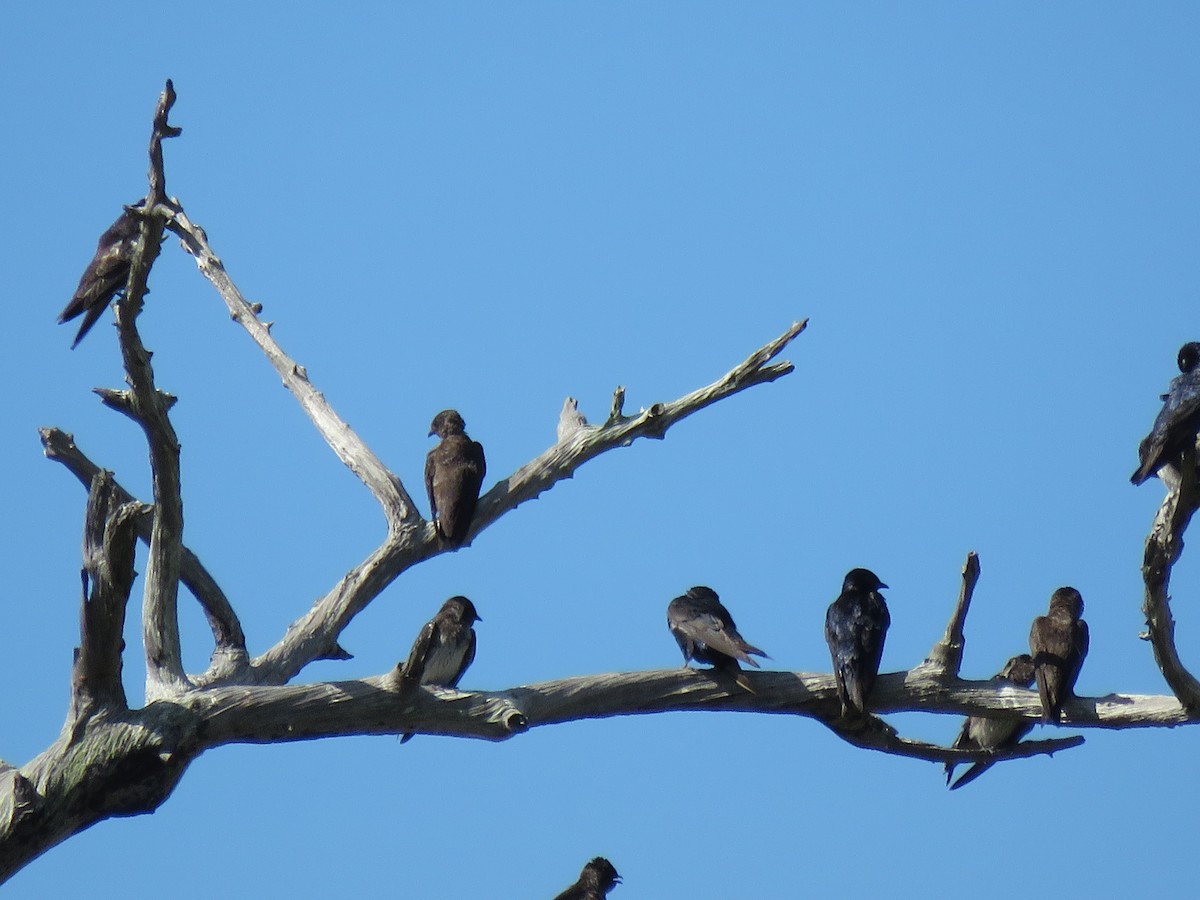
(107, 273)
(443, 649)
(705, 632)
(1059, 643)
(1177, 423)
(595, 881)
(986, 733)
(856, 624)
(454, 471)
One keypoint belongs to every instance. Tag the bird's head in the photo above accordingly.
(606, 874)
(448, 421)
(1068, 599)
(461, 609)
(862, 580)
(1019, 670)
(1189, 356)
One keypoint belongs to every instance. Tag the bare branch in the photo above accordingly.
(148, 406)
(315, 633)
(873, 733)
(1164, 545)
(561, 460)
(229, 655)
(161, 130)
(398, 507)
(108, 543)
(374, 706)
(946, 655)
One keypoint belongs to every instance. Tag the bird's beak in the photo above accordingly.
(431, 434)
(478, 618)
(882, 585)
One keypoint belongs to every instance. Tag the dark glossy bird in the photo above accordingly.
(105, 275)
(595, 881)
(856, 624)
(984, 733)
(454, 471)
(444, 648)
(705, 632)
(1059, 643)
(1177, 423)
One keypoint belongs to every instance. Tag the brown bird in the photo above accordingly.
(1177, 423)
(595, 881)
(1058, 642)
(106, 274)
(988, 733)
(444, 648)
(704, 631)
(454, 471)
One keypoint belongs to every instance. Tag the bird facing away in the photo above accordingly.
(705, 632)
(983, 733)
(856, 624)
(105, 275)
(454, 471)
(444, 648)
(595, 881)
(1058, 642)
(1177, 423)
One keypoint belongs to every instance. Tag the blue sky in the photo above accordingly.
(989, 213)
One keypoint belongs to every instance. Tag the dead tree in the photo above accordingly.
(111, 759)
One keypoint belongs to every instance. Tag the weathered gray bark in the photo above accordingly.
(110, 760)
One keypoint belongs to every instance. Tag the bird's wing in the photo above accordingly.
(468, 658)
(414, 667)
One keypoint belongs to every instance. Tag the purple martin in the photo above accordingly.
(1177, 423)
(106, 274)
(444, 648)
(454, 471)
(705, 632)
(855, 627)
(985, 733)
(595, 881)
(1058, 642)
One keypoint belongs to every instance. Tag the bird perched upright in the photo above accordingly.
(595, 881)
(454, 471)
(444, 648)
(705, 632)
(856, 624)
(1177, 423)
(1058, 642)
(106, 274)
(983, 733)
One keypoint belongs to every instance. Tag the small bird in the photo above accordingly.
(595, 881)
(1058, 642)
(454, 471)
(856, 624)
(106, 274)
(984, 733)
(705, 632)
(1177, 423)
(443, 649)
